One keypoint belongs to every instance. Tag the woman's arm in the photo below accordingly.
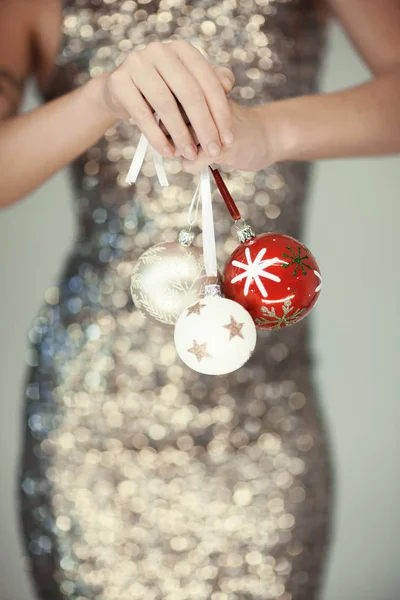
(361, 121)
(373, 26)
(35, 145)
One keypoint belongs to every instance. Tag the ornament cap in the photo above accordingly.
(244, 231)
(186, 238)
(212, 289)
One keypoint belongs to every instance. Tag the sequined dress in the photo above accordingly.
(140, 478)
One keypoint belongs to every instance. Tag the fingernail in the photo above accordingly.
(189, 152)
(213, 149)
(227, 82)
(168, 152)
(227, 137)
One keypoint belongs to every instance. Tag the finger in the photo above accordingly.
(180, 79)
(224, 74)
(213, 93)
(184, 117)
(195, 166)
(129, 97)
(189, 94)
(227, 80)
(225, 77)
(192, 133)
(157, 93)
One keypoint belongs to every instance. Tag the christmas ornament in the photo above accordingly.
(273, 276)
(214, 335)
(168, 276)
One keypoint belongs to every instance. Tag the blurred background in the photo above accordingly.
(352, 226)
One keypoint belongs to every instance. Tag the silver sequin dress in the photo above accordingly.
(141, 479)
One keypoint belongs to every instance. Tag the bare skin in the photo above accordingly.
(361, 121)
(29, 40)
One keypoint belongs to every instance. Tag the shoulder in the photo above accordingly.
(46, 16)
(26, 9)
(34, 25)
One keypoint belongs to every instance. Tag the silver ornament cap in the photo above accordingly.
(186, 238)
(244, 231)
(212, 289)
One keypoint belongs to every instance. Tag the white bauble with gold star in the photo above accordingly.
(215, 336)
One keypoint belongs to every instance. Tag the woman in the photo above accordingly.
(141, 479)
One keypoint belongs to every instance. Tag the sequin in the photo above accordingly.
(142, 479)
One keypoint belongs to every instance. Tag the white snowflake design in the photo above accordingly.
(254, 270)
(318, 288)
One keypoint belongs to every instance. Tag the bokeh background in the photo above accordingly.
(352, 226)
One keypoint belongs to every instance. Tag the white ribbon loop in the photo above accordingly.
(160, 169)
(203, 193)
(194, 207)
(138, 159)
(209, 248)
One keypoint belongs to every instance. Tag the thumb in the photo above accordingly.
(195, 166)
(226, 78)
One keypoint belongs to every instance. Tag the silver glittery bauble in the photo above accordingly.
(166, 279)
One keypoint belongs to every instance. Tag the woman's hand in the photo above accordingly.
(157, 79)
(254, 146)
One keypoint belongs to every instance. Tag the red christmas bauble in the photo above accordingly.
(275, 278)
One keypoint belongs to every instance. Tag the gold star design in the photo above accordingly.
(235, 329)
(199, 350)
(195, 309)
